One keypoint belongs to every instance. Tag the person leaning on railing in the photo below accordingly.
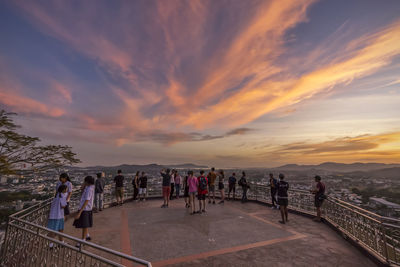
(320, 196)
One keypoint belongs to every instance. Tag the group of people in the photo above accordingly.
(279, 195)
(202, 187)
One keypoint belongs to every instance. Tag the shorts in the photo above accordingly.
(211, 188)
(142, 191)
(166, 190)
(85, 221)
(55, 224)
(201, 196)
(220, 186)
(283, 202)
(318, 202)
(119, 192)
(66, 210)
(192, 193)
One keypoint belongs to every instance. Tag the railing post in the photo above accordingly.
(383, 233)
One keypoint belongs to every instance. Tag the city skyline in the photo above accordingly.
(220, 83)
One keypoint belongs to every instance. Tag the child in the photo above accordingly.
(193, 184)
(64, 180)
(84, 217)
(56, 217)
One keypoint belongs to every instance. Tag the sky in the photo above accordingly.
(223, 83)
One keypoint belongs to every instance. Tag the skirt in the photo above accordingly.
(55, 224)
(85, 221)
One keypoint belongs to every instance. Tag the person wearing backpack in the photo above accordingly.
(243, 183)
(283, 202)
(273, 184)
(202, 191)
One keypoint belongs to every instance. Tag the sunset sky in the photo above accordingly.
(222, 83)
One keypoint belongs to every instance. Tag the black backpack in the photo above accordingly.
(203, 183)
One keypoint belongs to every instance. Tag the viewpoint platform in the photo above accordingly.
(229, 234)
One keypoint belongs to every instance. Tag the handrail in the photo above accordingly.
(84, 242)
(381, 235)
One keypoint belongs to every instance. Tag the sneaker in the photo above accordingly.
(214, 202)
(163, 206)
(199, 212)
(100, 209)
(282, 222)
(78, 245)
(221, 202)
(51, 245)
(203, 210)
(88, 238)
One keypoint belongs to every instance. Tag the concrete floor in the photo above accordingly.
(232, 234)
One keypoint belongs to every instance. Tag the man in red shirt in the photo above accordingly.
(202, 191)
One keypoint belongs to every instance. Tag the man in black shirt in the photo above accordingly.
(119, 187)
(142, 187)
(282, 188)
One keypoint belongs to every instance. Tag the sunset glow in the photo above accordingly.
(224, 83)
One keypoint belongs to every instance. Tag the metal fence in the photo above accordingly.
(27, 241)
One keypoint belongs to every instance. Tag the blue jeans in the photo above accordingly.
(178, 189)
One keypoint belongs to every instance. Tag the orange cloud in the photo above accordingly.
(380, 148)
(27, 105)
(258, 99)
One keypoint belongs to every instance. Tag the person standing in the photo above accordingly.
(273, 184)
(99, 191)
(84, 216)
(221, 187)
(202, 191)
(319, 198)
(283, 201)
(177, 184)
(193, 188)
(166, 186)
(142, 187)
(56, 216)
(211, 185)
(119, 187)
(245, 186)
(172, 184)
(186, 191)
(64, 180)
(135, 183)
(232, 186)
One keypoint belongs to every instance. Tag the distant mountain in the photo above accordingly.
(133, 168)
(339, 167)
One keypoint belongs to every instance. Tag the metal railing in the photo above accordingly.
(379, 235)
(27, 242)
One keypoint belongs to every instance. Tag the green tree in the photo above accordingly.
(17, 149)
